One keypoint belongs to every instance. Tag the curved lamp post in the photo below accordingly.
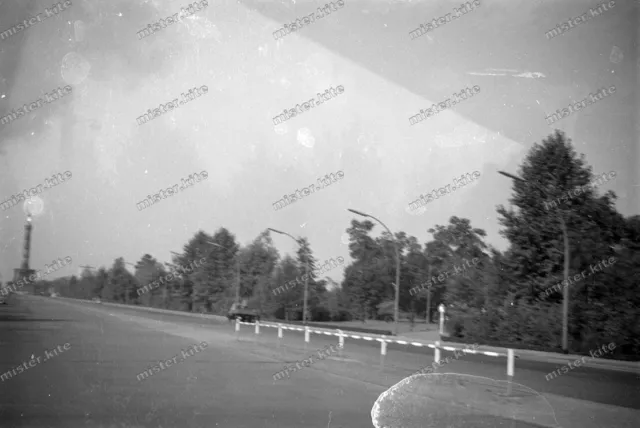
(397, 284)
(565, 291)
(306, 274)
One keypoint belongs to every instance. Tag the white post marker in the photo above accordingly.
(510, 361)
(436, 356)
(279, 334)
(257, 327)
(237, 329)
(441, 309)
(341, 343)
(383, 350)
(306, 336)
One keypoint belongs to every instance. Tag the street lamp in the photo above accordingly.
(306, 274)
(565, 291)
(237, 270)
(397, 285)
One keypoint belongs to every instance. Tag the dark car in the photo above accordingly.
(242, 312)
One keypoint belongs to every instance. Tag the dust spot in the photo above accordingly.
(75, 68)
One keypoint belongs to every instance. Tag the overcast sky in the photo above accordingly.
(364, 132)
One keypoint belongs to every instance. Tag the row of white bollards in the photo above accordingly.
(383, 349)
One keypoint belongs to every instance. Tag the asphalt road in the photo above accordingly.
(92, 381)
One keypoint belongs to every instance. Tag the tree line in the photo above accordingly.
(496, 301)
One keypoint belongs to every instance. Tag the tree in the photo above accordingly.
(257, 264)
(148, 270)
(219, 273)
(535, 259)
(460, 244)
(121, 285)
(367, 288)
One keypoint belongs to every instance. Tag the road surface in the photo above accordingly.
(93, 381)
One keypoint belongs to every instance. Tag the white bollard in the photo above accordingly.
(383, 351)
(340, 343)
(237, 329)
(510, 362)
(279, 335)
(436, 356)
(257, 327)
(306, 336)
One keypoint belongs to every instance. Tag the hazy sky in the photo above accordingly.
(365, 132)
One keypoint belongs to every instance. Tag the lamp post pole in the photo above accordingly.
(306, 275)
(397, 284)
(565, 291)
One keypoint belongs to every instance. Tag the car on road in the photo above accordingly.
(242, 312)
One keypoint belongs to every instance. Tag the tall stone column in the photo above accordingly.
(24, 272)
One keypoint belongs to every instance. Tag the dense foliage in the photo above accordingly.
(496, 301)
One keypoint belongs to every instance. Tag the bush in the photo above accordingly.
(536, 326)
(320, 313)
(342, 315)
